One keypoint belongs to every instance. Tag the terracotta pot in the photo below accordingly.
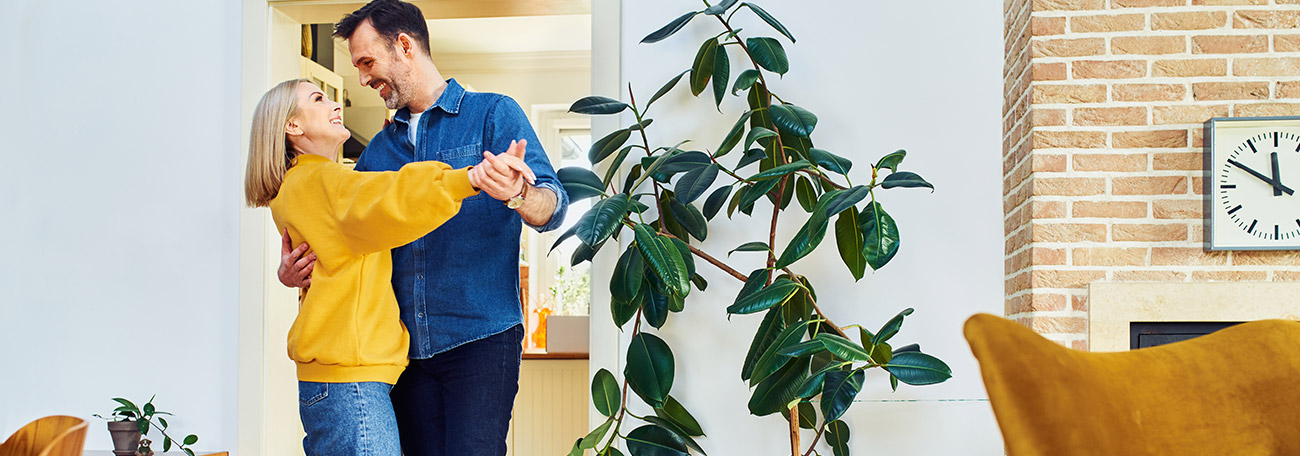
(126, 437)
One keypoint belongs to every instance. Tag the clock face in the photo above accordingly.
(1255, 170)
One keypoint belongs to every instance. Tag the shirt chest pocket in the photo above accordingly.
(460, 157)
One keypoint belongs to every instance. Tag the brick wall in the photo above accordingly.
(1104, 105)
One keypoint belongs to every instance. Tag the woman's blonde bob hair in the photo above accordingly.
(269, 154)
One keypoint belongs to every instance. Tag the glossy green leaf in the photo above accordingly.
(807, 415)
(666, 87)
(605, 394)
(746, 80)
(905, 179)
(702, 69)
(683, 162)
(629, 272)
(191, 439)
(807, 195)
(838, 393)
(612, 452)
(771, 360)
(674, 411)
(908, 348)
(599, 222)
(595, 436)
(583, 253)
(812, 385)
(721, 75)
(671, 28)
(604, 147)
(891, 327)
(769, 54)
(748, 195)
(580, 183)
(891, 161)
(838, 200)
(780, 171)
(666, 262)
(755, 134)
(793, 119)
(651, 440)
(719, 8)
(615, 165)
(641, 125)
(752, 155)
(597, 105)
(690, 218)
(770, 296)
(831, 162)
(837, 436)
(655, 308)
(804, 241)
(687, 258)
(849, 241)
(777, 391)
(649, 368)
(916, 368)
(733, 136)
(715, 201)
(881, 353)
(633, 178)
(700, 283)
(751, 247)
(676, 431)
(843, 348)
(695, 182)
(623, 311)
(804, 348)
(880, 235)
(770, 20)
(771, 326)
(167, 444)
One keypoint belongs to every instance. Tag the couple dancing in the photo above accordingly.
(408, 339)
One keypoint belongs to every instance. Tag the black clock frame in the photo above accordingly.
(1208, 186)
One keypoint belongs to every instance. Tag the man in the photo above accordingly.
(458, 287)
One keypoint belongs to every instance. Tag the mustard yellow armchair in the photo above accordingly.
(1232, 392)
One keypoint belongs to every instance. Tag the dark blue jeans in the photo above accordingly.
(458, 402)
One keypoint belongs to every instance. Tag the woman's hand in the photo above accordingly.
(503, 176)
(295, 268)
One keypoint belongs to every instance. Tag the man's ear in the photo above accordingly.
(292, 128)
(405, 45)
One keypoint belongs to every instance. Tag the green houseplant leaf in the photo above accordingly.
(695, 182)
(891, 327)
(715, 201)
(772, 360)
(837, 436)
(838, 393)
(770, 20)
(663, 258)
(719, 8)
(843, 348)
(629, 272)
(604, 147)
(891, 161)
(803, 242)
(850, 241)
(777, 391)
(666, 87)
(674, 411)
(832, 162)
(770, 296)
(746, 79)
(905, 179)
(669, 29)
(676, 431)
(597, 105)
(580, 183)
(649, 368)
(771, 326)
(604, 393)
(880, 235)
(599, 222)
(733, 136)
(721, 75)
(793, 119)
(916, 368)
(702, 69)
(769, 54)
(651, 440)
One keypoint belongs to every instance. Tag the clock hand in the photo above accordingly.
(1262, 177)
(1277, 180)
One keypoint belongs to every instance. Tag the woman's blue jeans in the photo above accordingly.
(348, 419)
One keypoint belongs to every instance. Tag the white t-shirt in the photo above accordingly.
(414, 127)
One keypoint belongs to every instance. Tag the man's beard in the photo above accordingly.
(397, 86)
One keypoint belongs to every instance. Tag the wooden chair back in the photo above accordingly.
(57, 435)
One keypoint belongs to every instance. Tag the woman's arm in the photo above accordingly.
(383, 210)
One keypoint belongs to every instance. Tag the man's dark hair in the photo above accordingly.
(389, 18)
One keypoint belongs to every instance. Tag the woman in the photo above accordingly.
(348, 342)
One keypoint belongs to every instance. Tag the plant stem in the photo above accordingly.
(663, 224)
(820, 431)
(794, 430)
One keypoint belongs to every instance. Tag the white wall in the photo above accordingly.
(122, 185)
(881, 76)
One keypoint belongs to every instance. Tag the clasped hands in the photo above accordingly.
(503, 176)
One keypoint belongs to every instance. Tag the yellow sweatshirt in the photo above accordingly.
(348, 328)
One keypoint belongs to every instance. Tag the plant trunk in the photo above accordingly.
(126, 437)
(794, 431)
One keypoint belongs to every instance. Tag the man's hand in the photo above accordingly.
(503, 176)
(295, 268)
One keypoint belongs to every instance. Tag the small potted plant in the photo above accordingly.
(129, 426)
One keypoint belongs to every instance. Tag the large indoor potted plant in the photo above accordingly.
(663, 208)
(129, 426)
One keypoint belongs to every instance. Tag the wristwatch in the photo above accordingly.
(517, 200)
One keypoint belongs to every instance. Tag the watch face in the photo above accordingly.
(1255, 170)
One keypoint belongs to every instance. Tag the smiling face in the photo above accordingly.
(318, 121)
(381, 66)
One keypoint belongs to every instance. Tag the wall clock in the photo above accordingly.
(1252, 176)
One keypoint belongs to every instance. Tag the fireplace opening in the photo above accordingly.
(1151, 334)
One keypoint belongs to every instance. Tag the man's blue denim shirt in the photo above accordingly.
(460, 283)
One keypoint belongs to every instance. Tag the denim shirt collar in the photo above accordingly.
(448, 102)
